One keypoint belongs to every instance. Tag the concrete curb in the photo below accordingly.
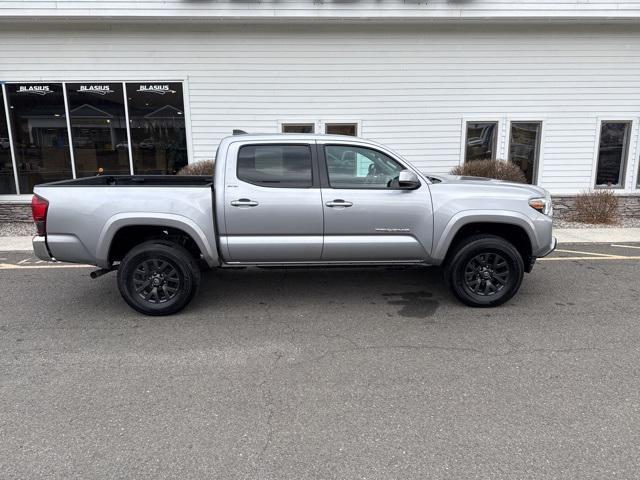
(564, 235)
(15, 244)
(596, 235)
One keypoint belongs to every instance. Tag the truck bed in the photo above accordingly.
(84, 215)
(137, 181)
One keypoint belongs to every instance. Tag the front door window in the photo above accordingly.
(358, 167)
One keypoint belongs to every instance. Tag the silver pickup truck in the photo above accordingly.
(284, 199)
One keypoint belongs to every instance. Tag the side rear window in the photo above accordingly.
(275, 165)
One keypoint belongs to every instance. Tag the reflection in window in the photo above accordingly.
(524, 146)
(612, 154)
(158, 137)
(350, 129)
(98, 128)
(276, 165)
(481, 141)
(356, 167)
(7, 180)
(40, 133)
(298, 127)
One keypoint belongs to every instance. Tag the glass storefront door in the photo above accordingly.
(40, 137)
(98, 128)
(7, 180)
(158, 136)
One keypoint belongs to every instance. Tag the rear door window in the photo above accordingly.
(282, 166)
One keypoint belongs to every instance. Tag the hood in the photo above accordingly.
(489, 183)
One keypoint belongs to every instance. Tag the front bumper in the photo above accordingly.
(552, 247)
(40, 248)
(531, 261)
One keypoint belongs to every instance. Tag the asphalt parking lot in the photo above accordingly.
(332, 373)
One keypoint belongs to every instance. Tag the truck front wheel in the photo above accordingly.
(158, 277)
(484, 271)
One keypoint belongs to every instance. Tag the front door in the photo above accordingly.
(273, 207)
(367, 217)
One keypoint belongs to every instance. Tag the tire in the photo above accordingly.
(161, 265)
(484, 271)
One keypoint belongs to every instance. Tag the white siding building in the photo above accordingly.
(553, 85)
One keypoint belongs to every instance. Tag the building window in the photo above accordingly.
(40, 137)
(350, 129)
(524, 147)
(98, 128)
(7, 180)
(612, 153)
(357, 167)
(158, 135)
(276, 165)
(298, 128)
(481, 141)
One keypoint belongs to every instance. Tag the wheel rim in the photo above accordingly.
(156, 281)
(486, 274)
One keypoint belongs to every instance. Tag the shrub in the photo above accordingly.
(203, 167)
(498, 169)
(598, 206)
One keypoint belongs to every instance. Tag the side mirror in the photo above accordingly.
(407, 180)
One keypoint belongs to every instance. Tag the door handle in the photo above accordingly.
(244, 202)
(338, 202)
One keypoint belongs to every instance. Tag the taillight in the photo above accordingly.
(39, 208)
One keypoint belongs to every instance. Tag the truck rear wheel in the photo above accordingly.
(158, 278)
(485, 271)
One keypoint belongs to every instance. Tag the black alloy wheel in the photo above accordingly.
(156, 280)
(484, 270)
(486, 274)
(158, 277)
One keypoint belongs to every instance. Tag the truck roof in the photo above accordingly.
(306, 137)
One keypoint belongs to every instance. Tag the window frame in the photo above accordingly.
(283, 124)
(12, 132)
(315, 181)
(631, 132)
(5, 107)
(538, 162)
(497, 150)
(355, 123)
(186, 118)
(324, 170)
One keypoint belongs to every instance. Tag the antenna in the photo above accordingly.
(239, 132)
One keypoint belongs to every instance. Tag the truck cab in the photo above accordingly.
(320, 199)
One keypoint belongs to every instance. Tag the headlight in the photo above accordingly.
(543, 205)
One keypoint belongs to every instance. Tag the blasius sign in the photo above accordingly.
(34, 89)
(157, 89)
(96, 89)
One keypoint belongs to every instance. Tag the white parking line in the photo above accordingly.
(612, 257)
(625, 246)
(9, 266)
(587, 253)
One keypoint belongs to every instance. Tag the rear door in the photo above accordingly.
(273, 205)
(367, 217)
